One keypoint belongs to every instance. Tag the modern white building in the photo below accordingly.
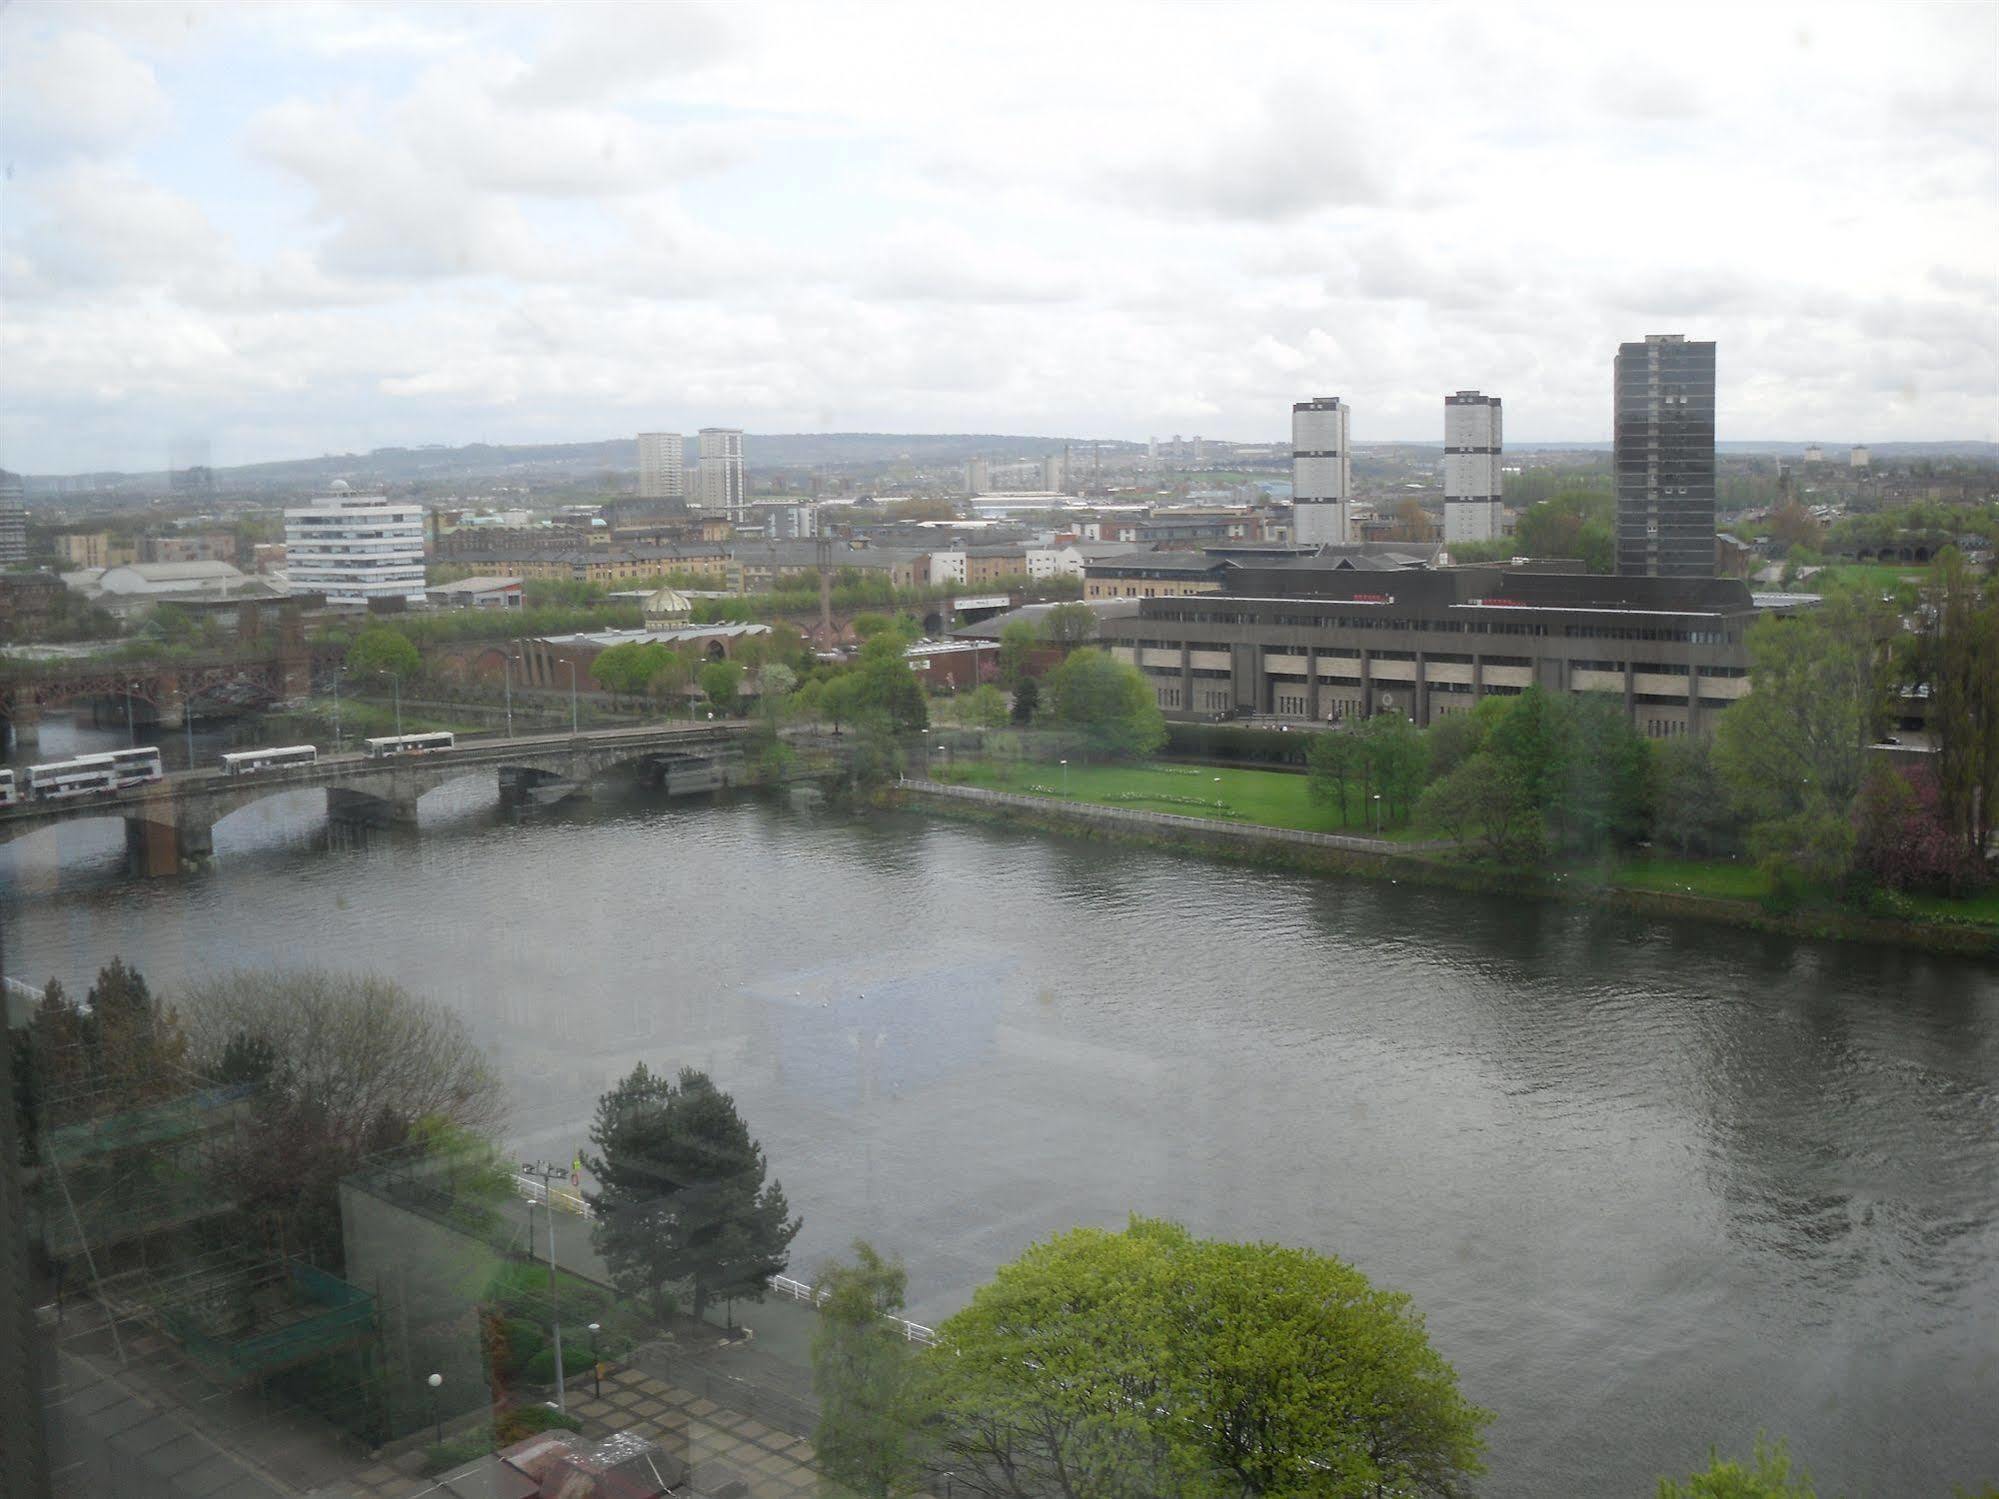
(722, 472)
(1859, 457)
(662, 466)
(356, 547)
(1055, 473)
(1472, 441)
(978, 476)
(1321, 472)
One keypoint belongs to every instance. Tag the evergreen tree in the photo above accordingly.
(682, 1197)
(1026, 701)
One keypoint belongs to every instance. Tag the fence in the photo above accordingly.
(798, 1290)
(1209, 826)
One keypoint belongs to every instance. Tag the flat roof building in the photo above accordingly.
(1321, 472)
(356, 548)
(1336, 637)
(662, 466)
(1472, 485)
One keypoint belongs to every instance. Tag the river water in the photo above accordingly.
(1654, 1185)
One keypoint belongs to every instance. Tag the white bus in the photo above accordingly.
(88, 774)
(409, 744)
(7, 796)
(244, 762)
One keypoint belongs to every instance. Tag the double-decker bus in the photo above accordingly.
(7, 793)
(89, 774)
(247, 762)
(410, 744)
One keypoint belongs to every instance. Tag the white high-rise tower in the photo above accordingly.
(1321, 472)
(1472, 506)
(662, 466)
(722, 472)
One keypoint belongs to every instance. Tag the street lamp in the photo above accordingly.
(131, 734)
(397, 680)
(336, 710)
(436, 1420)
(1065, 777)
(570, 662)
(1377, 814)
(187, 723)
(596, 1366)
(507, 676)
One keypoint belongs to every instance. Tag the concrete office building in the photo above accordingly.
(1472, 441)
(662, 466)
(1664, 438)
(1055, 473)
(1859, 457)
(1324, 639)
(722, 472)
(978, 476)
(1321, 472)
(355, 547)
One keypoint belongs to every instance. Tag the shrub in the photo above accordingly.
(521, 1421)
(541, 1368)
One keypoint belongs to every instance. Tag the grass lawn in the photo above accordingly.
(1878, 577)
(1980, 908)
(1270, 797)
(1725, 878)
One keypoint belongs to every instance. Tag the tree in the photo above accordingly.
(1793, 526)
(986, 707)
(1149, 1362)
(1456, 737)
(350, 1065)
(1069, 625)
(140, 1047)
(1329, 766)
(1575, 523)
(1690, 807)
(1108, 703)
(867, 626)
(1483, 799)
(1768, 1476)
(867, 1379)
(719, 681)
(1393, 758)
(885, 684)
(1961, 661)
(629, 667)
(1603, 800)
(1901, 837)
(681, 1194)
(379, 652)
(1026, 701)
(1016, 647)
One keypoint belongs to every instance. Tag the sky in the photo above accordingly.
(263, 232)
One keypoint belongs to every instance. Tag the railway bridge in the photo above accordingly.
(169, 825)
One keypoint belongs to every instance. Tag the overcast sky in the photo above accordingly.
(307, 228)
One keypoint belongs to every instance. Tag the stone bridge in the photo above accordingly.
(160, 690)
(169, 825)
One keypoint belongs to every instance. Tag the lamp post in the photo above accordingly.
(436, 1419)
(507, 675)
(187, 723)
(336, 710)
(1377, 814)
(547, 1174)
(396, 679)
(131, 734)
(1065, 777)
(570, 662)
(596, 1366)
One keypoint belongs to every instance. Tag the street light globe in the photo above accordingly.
(595, 1327)
(435, 1380)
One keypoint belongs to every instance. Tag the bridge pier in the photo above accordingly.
(156, 846)
(366, 809)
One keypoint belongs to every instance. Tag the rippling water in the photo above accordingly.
(1655, 1185)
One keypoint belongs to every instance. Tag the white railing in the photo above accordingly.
(798, 1290)
(568, 1198)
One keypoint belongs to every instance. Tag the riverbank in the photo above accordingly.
(1430, 864)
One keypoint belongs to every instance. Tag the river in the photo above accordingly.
(1654, 1185)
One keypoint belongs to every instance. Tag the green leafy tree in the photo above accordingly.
(885, 684)
(867, 626)
(1960, 660)
(866, 1377)
(1603, 801)
(1767, 1475)
(1149, 1363)
(681, 1193)
(1016, 647)
(1576, 523)
(1107, 703)
(719, 681)
(1069, 625)
(380, 652)
(986, 707)
(1690, 807)
(1456, 737)
(1483, 802)
(1026, 701)
(1394, 757)
(1330, 763)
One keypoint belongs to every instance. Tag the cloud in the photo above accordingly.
(74, 92)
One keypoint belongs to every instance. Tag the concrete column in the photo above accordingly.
(1630, 690)
(1366, 683)
(1421, 714)
(1312, 683)
(1186, 676)
(1477, 678)
(1693, 699)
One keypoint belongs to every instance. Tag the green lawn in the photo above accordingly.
(1877, 577)
(1980, 908)
(1270, 797)
(1725, 878)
